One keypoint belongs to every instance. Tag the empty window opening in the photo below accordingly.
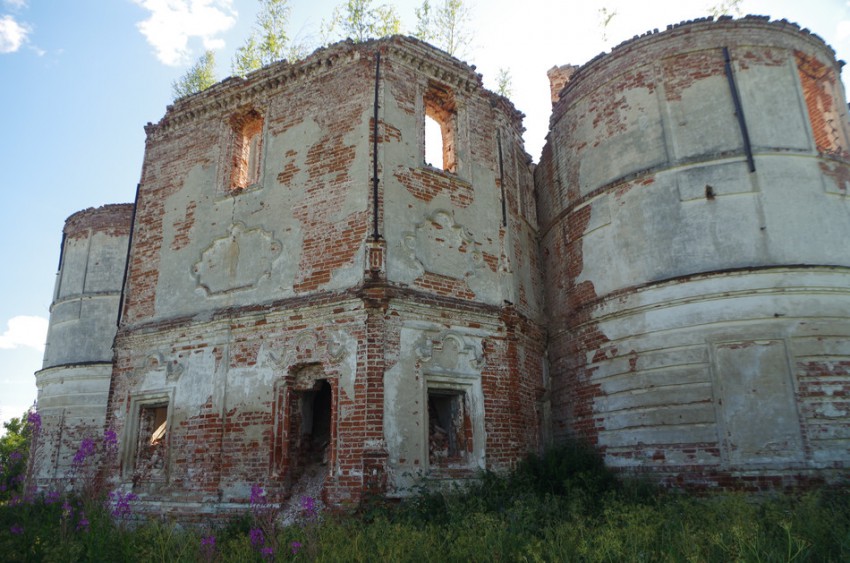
(151, 445)
(247, 150)
(310, 427)
(440, 127)
(449, 429)
(433, 142)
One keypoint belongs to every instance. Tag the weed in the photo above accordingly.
(562, 506)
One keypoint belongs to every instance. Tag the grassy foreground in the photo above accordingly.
(563, 506)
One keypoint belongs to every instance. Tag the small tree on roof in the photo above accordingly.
(360, 20)
(198, 78)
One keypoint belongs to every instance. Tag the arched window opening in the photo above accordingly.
(440, 127)
(247, 149)
(433, 143)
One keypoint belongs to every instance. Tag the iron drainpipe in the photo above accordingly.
(62, 250)
(502, 179)
(739, 111)
(375, 234)
(127, 261)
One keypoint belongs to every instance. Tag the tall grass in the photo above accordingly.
(563, 506)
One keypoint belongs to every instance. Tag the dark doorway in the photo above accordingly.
(316, 424)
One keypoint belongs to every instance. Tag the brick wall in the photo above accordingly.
(645, 165)
(236, 296)
(251, 314)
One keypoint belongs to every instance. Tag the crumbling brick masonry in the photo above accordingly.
(302, 301)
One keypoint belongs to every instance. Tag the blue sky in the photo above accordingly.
(80, 79)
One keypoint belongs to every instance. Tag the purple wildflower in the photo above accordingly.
(2, 487)
(296, 545)
(110, 438)
(16, 456)
(257, 537)
(121, 504)
(258, 495)
(86, 449)
(208, 548)
(308, 506)
(267, 552)
(67, 509)
(34, 419)
(51, 497)
(83, 523)
(17, 529)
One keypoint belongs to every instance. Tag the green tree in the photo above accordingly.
(14, 452)
(726, 8)
(447, 26)
(605, 18)
(504, 81)
(424, 15)
(360, 20)
(247, 57)
(269, 41)
(198, 78)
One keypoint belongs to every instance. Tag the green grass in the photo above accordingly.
(563, 506)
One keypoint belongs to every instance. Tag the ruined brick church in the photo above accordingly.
(296, 292)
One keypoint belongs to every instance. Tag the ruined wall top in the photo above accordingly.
(234, 92)
(688, 32)
(115, 217)
(558, 78)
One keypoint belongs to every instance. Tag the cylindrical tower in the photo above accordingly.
(74, 382)
(693, 199)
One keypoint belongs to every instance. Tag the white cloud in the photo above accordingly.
(173, 22)
(842, 29)
(16, 4)
(12, 34)
(26, 331)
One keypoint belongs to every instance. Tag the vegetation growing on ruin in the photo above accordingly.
(447, 24)
(563, 506)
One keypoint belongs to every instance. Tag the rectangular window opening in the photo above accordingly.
(151, 445)
(449, 427)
